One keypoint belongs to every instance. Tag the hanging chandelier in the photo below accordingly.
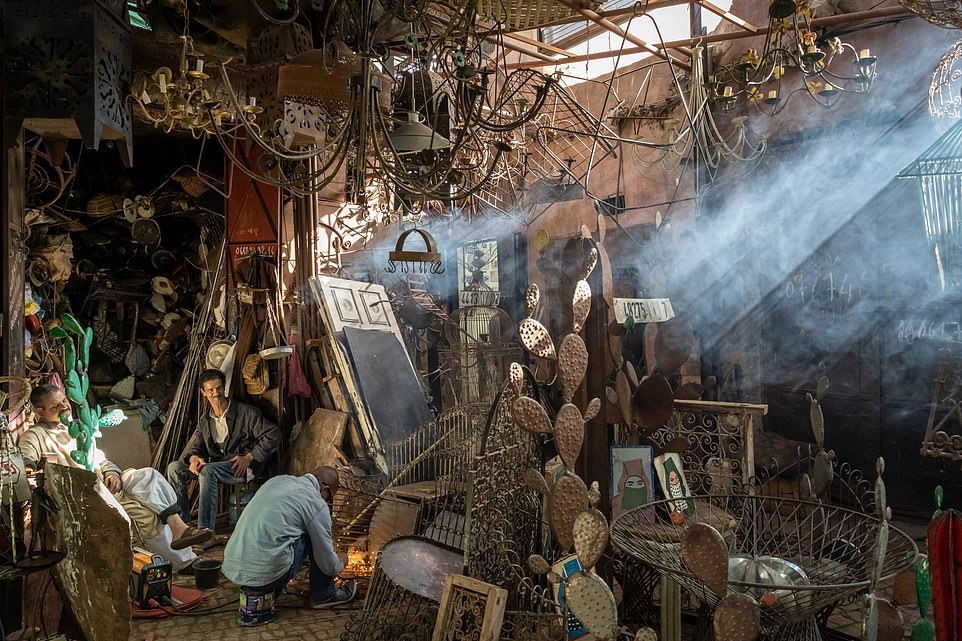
(400, 93)
(187, 100)
(794, 59)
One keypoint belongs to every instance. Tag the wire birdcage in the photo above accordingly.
(939, 173)
(832, 548)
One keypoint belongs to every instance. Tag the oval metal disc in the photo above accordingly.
(653, 402)
(534, 480)
(569, 434)
(737, 618)
(705, 554)
(580, 305)
(530, 416)
(569, 498)
(536, 338)
(624, 397)
(516, 376)
(572, 365)
(538, 565)
(591, 537)
(594, 406)
(590, 599)
(531, 298)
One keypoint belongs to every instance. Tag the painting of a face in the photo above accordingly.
(631, 475)
(673, 477)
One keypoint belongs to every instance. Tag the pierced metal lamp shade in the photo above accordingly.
(939, 173)
(414, 136)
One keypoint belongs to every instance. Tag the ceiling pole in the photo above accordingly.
(828, 21)
(618, 31)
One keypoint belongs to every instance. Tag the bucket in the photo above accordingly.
(206, 573)
(256, 606)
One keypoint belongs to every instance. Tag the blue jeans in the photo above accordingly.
(322, 587)
(210, 478)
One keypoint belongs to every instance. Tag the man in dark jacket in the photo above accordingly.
(232, 443)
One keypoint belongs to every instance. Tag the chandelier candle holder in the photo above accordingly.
(187, 101)
(794, 59)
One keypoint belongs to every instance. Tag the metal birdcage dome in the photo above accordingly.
(939, 173)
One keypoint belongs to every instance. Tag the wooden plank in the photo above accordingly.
(729, 16)
(318, 443)
(720, 406)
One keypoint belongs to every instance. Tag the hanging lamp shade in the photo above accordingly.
(939, 173)
(414, 136)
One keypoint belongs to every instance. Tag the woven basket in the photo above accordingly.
(528, 14)
(104, 204)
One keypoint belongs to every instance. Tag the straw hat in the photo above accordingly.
(162, 285)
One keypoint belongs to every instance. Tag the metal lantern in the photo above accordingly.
(67, 66)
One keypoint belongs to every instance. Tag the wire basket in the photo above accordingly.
(830, 549)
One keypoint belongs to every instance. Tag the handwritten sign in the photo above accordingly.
(942, 331)
(480, 298)
(643, 310)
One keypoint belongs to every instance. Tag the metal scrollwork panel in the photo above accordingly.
(945, 103)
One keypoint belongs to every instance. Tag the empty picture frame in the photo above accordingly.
(462, 601)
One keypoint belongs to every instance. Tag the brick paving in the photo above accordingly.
(215, 618)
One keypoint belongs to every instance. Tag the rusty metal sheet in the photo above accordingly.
(420, 566)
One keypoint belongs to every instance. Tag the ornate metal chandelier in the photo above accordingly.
(793, 60)
(401, 93)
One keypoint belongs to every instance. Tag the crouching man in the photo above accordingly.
(288, 518)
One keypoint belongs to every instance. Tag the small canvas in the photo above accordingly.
(631, 477)
(671, 475)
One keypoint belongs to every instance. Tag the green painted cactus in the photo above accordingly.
(85, 426)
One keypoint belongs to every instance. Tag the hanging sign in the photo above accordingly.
(643, 310)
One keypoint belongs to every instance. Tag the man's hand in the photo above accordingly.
(196, 463)
(113, 483)
(241, 463)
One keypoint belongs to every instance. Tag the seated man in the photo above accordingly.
(148, 500)
(289, 516)
(232, 443)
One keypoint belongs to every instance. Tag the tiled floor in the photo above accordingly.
(215, 618)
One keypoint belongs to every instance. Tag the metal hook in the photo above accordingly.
(391, 267)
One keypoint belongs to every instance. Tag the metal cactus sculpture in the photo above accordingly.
(85, 426)
(572, 508)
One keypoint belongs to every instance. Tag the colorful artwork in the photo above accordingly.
(631, 477)
(672, 478)
(565, 567)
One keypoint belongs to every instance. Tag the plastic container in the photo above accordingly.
(206, 573)
(256, 606)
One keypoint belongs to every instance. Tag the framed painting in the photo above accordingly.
(631, 477)
(671, 476)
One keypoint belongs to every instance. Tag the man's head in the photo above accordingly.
(212, 385)
(329, 481)
(49, 402)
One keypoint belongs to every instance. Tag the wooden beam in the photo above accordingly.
(729, 16)
(618, 31)
(829, 21)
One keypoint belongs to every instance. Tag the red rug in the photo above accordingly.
(183, 598)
